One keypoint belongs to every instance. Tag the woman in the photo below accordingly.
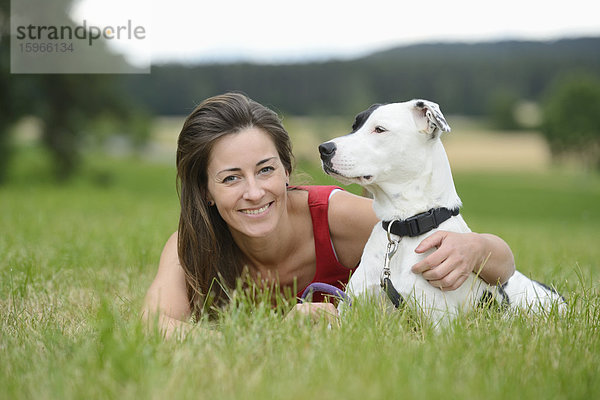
(239, 217)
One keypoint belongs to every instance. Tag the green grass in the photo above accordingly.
(76, 259)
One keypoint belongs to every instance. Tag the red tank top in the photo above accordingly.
(328, 268)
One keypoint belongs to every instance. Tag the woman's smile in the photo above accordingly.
(256, 211)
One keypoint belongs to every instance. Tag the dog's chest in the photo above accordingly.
(367, 276)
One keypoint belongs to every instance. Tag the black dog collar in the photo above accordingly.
(420, 223)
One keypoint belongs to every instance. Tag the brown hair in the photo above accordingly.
(207, 252)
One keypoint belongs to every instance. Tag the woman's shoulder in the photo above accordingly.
(169, 256)
(171, 242)
(317, 193)
(340, 202)
(168, 292)
(348, 212)
(345, 202)
(351, 220)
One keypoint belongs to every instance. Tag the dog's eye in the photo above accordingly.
(379, 129)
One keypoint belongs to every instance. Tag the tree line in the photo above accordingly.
(466, 79)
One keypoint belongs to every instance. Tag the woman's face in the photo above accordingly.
(247, 182)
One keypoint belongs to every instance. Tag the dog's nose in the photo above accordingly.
(327, 150)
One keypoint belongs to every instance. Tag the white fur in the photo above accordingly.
(406, 169)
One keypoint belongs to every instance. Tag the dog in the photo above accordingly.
(395, 152)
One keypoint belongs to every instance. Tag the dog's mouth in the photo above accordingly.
(361, 180)
(366, 180)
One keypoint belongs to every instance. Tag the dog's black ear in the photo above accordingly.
(430, 117)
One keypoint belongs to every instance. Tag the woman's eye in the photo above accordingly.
(379, 129)
(266, 170)
(229, 179)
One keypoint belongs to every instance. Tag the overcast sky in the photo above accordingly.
(280, 31)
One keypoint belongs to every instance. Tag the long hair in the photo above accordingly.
(207, 252)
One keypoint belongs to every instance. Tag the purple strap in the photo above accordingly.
(328, 289)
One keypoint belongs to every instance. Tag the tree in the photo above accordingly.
(571, 118)
(66, 104)
(69, 105)
(502, 110)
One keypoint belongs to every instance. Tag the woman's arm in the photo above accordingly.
(166, 300)
(460, 254)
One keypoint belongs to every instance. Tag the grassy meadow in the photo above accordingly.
(77, 258)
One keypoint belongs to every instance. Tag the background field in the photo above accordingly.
(76, 260)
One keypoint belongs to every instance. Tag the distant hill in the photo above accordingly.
(463, 78)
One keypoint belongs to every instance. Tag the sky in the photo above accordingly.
(276, 31)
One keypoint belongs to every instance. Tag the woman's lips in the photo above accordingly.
(256, 211)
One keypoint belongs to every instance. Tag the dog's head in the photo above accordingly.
(388, 141)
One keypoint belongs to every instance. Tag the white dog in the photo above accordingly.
(395, 151)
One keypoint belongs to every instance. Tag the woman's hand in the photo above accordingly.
(316, 311)
(460, 254)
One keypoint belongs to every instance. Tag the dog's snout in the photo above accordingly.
(327, 150)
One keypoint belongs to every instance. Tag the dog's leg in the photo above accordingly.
(530, 295)
(365, 279)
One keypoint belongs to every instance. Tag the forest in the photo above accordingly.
(468, 79)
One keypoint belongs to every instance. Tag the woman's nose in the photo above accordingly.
(253, 190)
